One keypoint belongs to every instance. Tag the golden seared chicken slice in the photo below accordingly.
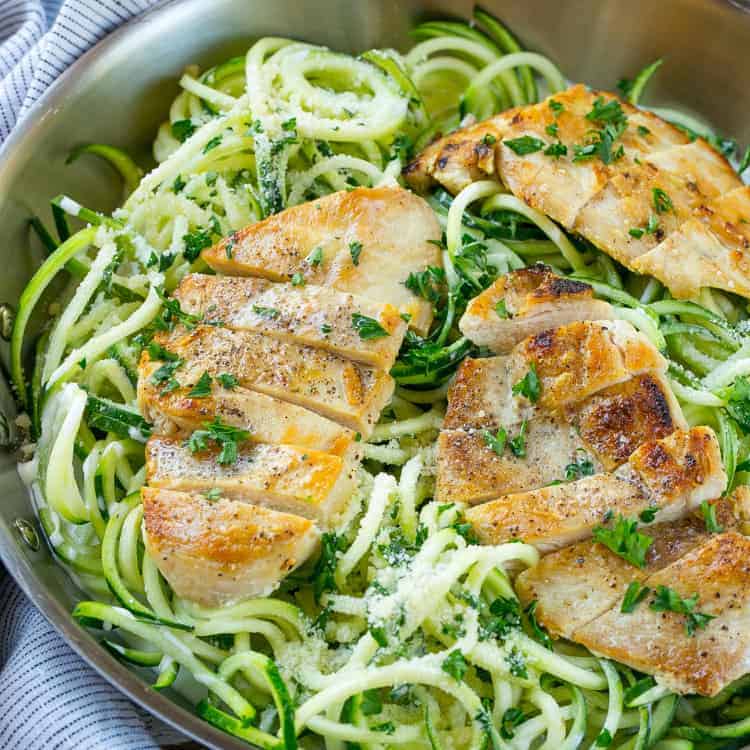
(614, 421)
(675, 475)
(215, 552)
(575, 360)
(687, 653)
(316, 316)
(349, 393)
(365, 241)
(712, 250)
(630, 183)
(642, 204)
(474, 465)
(267, 419)
(577, 584)
(465, 156)
(526, 302)
(571, 362)
(307, 482)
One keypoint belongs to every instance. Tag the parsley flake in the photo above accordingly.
(526, 144)
(662, 202)
(455, 665)
(367, 328)
(529, 385)
(182, 129)
(270, 313)
(634, 595)
(224, 435)
(668, 600)
(202, 389)
(625, 540)
(355, 250)
(709, 517)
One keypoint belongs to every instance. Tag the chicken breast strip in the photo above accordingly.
(349, 393)
(315, 316)
(365, 241)
(526, 302)
(674, 475)
(306, 482)
(216, 552)
(648, 196)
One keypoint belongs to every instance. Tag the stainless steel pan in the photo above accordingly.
(120, 91)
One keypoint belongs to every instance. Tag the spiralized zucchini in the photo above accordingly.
(405, 632)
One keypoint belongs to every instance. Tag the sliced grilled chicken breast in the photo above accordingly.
(661, 204)
(675, 474)
(219, 551)
(614, 421)
(268, 419)
(307, 482)
(365, 241)
(709, 251)
(470, 471)
(577, 584)
(718, 572)
(526, 302)
(316, 316)
(601, 394)
(349, 393)
(572, 362)
(579, 359)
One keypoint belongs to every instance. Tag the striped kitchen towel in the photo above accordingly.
(49, 698)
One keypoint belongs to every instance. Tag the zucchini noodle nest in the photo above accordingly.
(404, 632)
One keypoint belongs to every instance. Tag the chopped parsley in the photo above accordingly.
(501, 309)
(526, 144)
(556, 150)
(517, 444)
(213, 494)
(355, 250)
(157, 351)
(583, 467)
(196, 241)
(662, 202)
(315, 258)
(455, 665)
(634, 595)
(270, 313)
(538, 631)
(709, 517)
(224, 435)
(556, 107)
(643, 130)
(489, 139)
(290, 124)
(367, 328)
(529, 385)
(668, 600)
(603, 739)
(212, 144)
(738, 404)
(182, 129)
(173, 313)
(178, 185)
(636, 232)
(625, 540)
(552, 129)
(649, 514)
(164, 376)
(298, 279)
(326, 328)
(202, 389)
(511, 719)
(428, 284)
(517, 664)
(323, 575)
(613, 123)
(227, 380)
(496, 442)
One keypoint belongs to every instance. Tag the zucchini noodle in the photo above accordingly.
(391, 638)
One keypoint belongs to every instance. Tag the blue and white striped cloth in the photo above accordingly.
(49, 698)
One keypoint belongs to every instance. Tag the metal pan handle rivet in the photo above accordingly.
(7, 318)
(28, 534)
